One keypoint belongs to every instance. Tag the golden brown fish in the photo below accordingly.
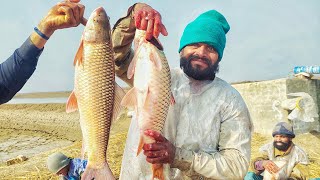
(94, 93)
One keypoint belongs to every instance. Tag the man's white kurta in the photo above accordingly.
(210, 126)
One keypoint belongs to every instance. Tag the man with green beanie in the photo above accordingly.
(67, 168)
(281, 159)
(207, 133)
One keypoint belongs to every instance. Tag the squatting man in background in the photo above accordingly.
(282, 150)
(65, 167)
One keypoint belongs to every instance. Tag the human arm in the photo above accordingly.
(260, 165)
(124, 30)
(301, 169)
(18, 68)
(231, 159)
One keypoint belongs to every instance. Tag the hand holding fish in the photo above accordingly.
(270, 166)
(160, 152)
(148, 19)
(63, 15)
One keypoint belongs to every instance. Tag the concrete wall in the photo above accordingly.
(312, 88)
(264, 98)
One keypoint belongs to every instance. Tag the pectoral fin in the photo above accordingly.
(72, 104)
(78, 59)
(118, 96)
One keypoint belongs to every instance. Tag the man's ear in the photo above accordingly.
(181, 52)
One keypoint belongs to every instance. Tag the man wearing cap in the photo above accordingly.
(291, 159)
(68, 168)
(207, 133)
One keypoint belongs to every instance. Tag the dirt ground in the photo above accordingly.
(37, 130)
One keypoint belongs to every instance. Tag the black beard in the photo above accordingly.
(196, 73)
(283, 146)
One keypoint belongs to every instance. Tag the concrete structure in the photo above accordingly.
(264, 98)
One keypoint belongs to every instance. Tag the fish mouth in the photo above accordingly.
(101, 13)
(99, 10)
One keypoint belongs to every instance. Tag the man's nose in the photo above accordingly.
(278, 139)
(201, 51)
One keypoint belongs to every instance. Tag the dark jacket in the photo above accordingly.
(17, 69)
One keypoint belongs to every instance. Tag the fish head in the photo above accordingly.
(139, 39)
(98, 27)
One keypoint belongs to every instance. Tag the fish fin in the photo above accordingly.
(146, 99)
(131, 68)
(118, 96)
(130, 99)
(104, 173)
(72, 104)
(156, 59)
(157, 171)
(140, 146)
(172, 100)
(78, 58)
(132, 65)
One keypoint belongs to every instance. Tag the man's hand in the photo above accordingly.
(63, 15)
(270, 166)
(148, 19)
(160, 152)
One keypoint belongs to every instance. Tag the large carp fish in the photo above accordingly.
(151, 94)
(95, 94)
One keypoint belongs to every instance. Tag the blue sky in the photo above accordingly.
(266, 40)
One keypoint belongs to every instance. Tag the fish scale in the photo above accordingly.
(160, 83)
(96, 97)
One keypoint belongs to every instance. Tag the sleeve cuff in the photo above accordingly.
(29, 52)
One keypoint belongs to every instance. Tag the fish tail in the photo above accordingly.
(103, 173)
(157, 171)
(141, 143)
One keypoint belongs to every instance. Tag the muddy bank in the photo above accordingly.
(46, 118)
(15, 142)
(37, 130)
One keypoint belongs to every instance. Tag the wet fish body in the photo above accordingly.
(151, 93)
(94, 92)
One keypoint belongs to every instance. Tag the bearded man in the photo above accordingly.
(281, 158)
(207, 133)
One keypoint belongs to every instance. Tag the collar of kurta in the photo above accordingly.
(277, 152)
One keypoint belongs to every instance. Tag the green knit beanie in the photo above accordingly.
(210, 27)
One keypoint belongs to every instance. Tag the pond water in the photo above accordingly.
(37, 100)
